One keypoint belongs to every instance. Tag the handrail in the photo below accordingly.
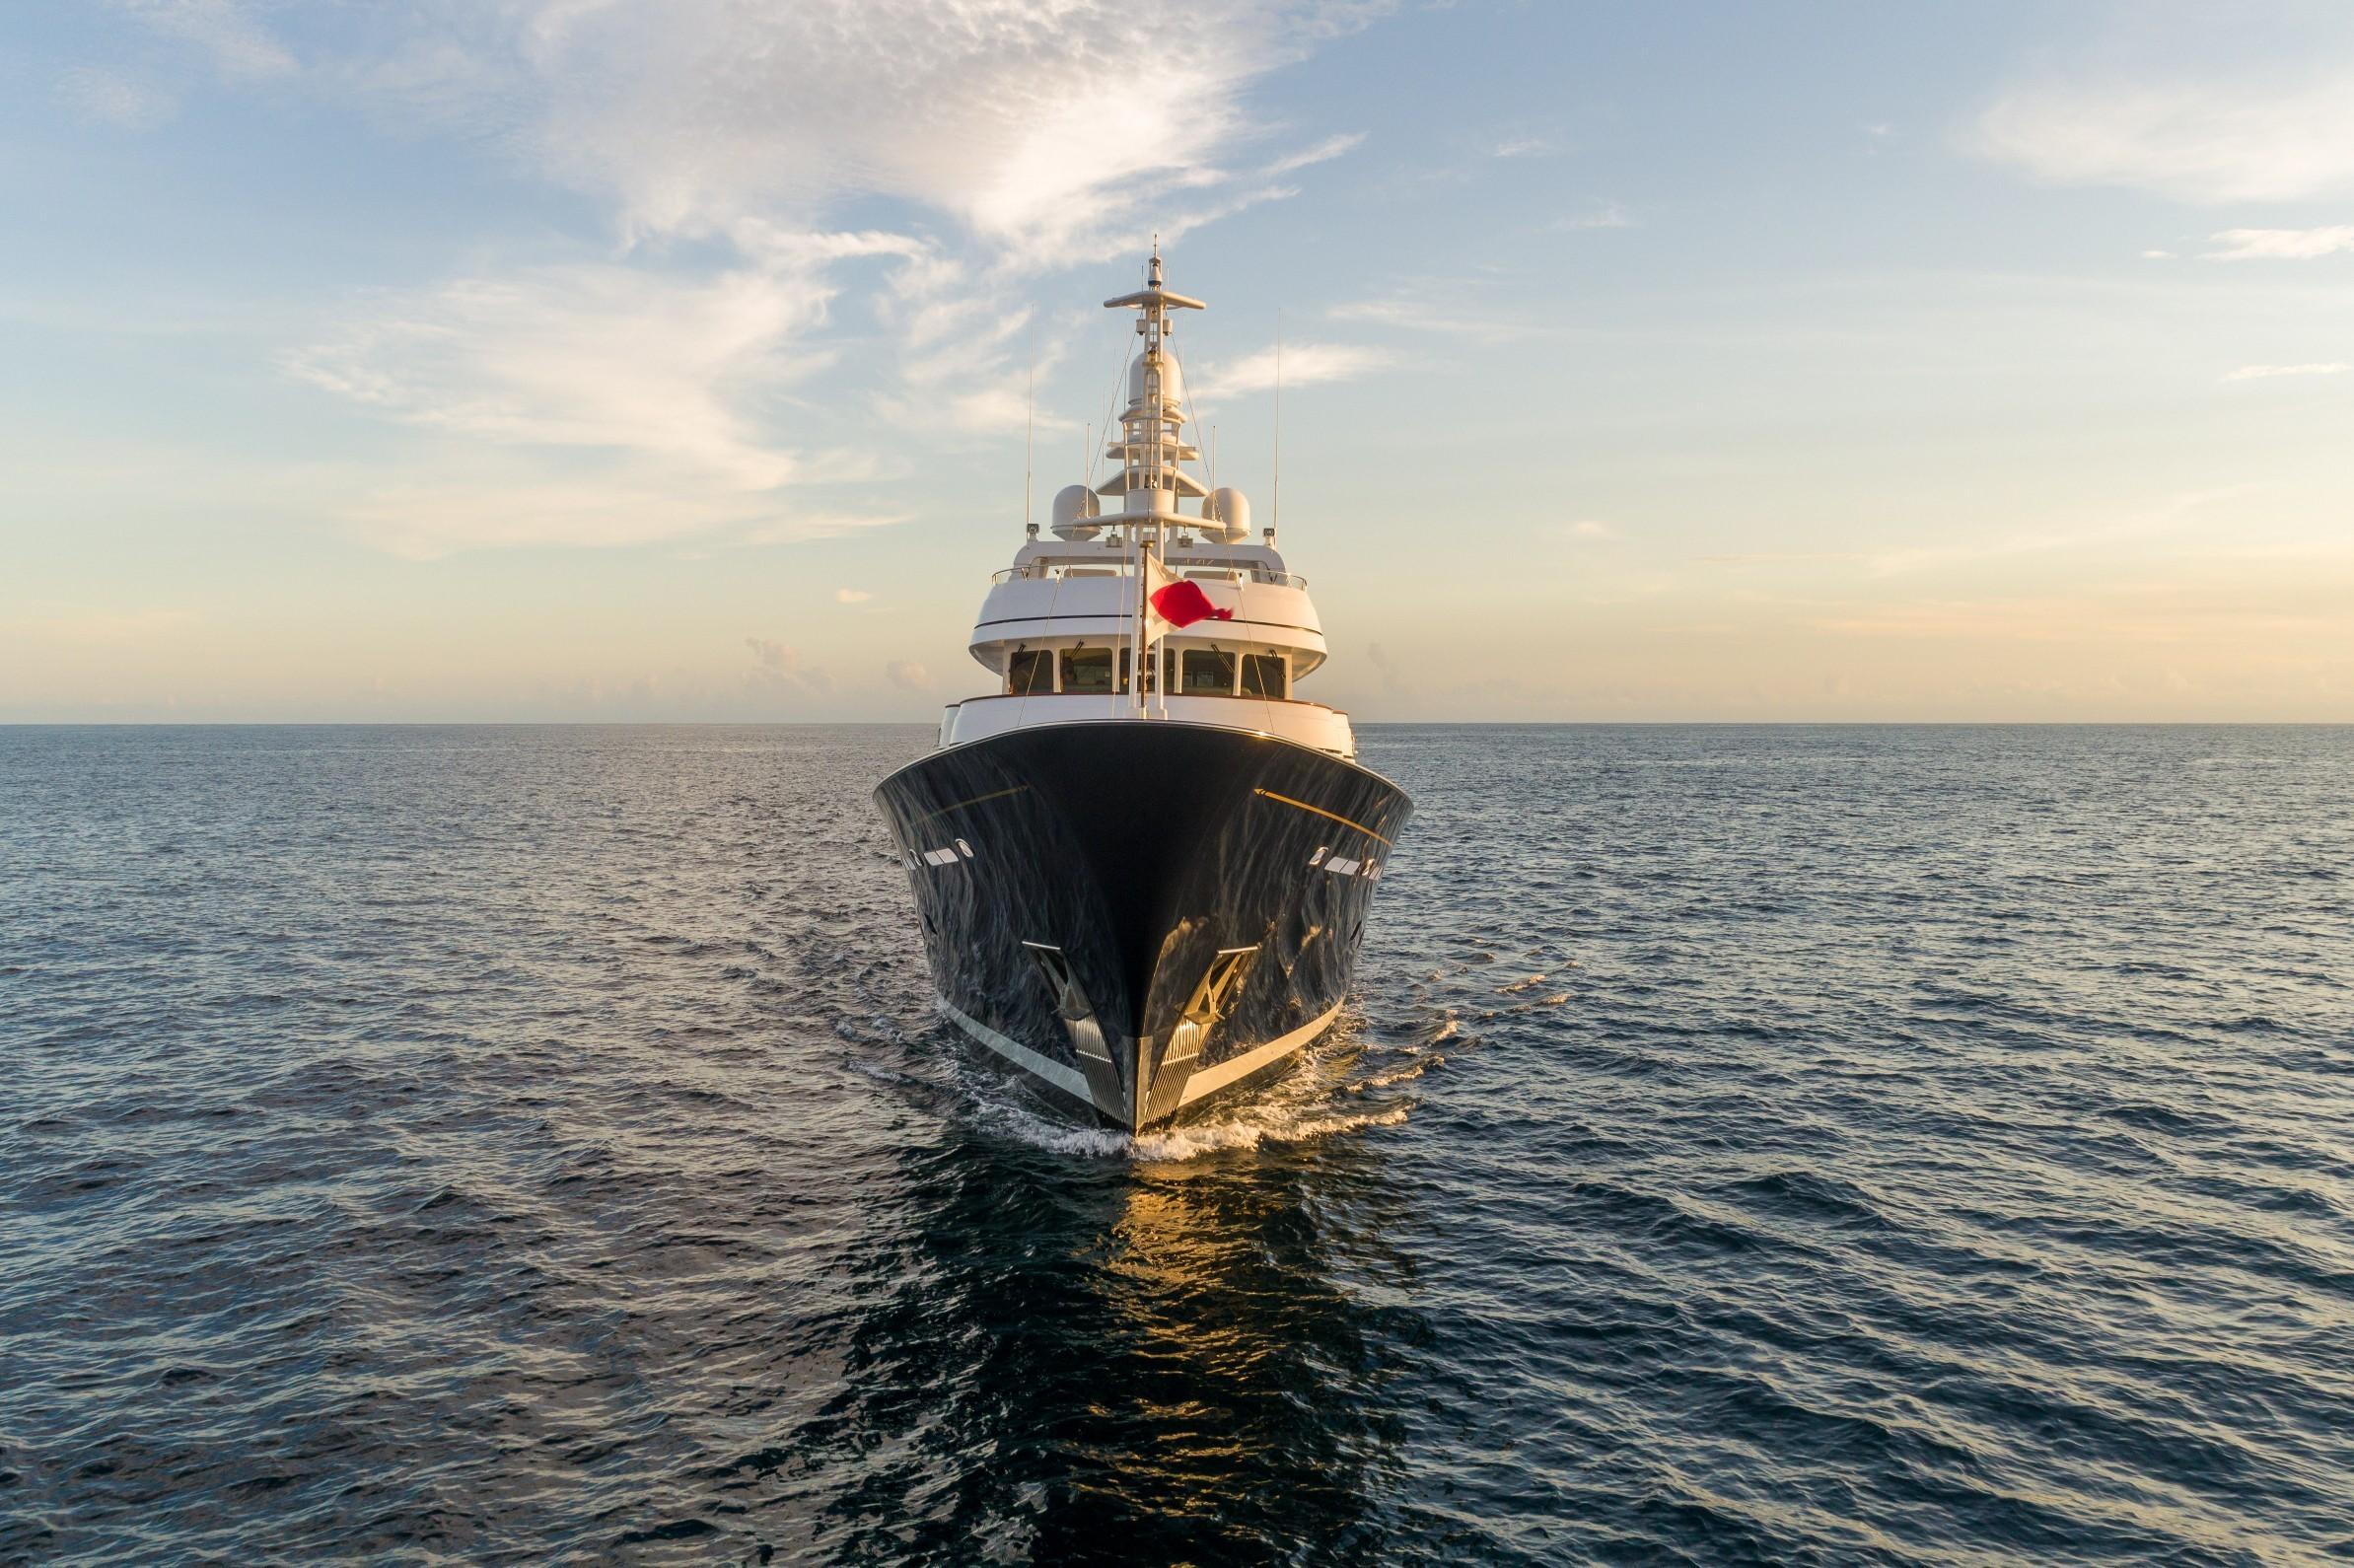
(1181, 696)
(1049, 572)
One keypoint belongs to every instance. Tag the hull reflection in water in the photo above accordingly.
(1068, 1360)
(1143, 918)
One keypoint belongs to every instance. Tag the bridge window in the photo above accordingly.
(1208, 673)
(1167, 662)
(1030, 671)
(1087, 670)
(1264, 676)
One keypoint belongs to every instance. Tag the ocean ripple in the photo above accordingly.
(1745, 1145)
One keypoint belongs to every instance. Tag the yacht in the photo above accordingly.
(1143, 863)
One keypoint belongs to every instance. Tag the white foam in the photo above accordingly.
(1403, 1075)
(1300, 1110)
(1212, 1137)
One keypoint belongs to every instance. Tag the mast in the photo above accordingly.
(1150, 449)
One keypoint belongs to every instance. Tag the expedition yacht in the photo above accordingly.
(1142, 864)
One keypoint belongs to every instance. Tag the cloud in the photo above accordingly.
(655, 388)
(1414, 315)
(110, 97)
(600, 356)
(1521, 147)
(1304, 364)
(2261, 372)
(1325, 151)
(858, 596)
(2192, 139)
(1026, 120)
(240, 48)
(777, 669)
(1602, 215)
(1588, 529)
(1004, 136)
(2281, 244)
(971, 371)
(907, 676)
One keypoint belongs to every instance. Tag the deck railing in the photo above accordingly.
(1049, 571)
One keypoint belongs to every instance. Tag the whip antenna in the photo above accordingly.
(1275, 512)
(1029, 436)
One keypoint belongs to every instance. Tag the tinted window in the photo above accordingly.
(1208, 673)
(1263, 675)
(1087, 670)
(1031, 670)
(1167, 662)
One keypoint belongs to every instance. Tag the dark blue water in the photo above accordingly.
(1749, 1145)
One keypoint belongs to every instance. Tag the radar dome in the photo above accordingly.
(1226, 514)
(1074, 507)
(1172, 384)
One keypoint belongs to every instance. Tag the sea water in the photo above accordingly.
(1793, 1145)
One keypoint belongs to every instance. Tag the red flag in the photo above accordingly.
(1181, 604)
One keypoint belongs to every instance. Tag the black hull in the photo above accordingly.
(1143, 915)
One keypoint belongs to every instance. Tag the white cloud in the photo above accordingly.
(1325, 151)
(655, 387)
(777, 669)
(1025, 119)
(1589, 528)
(600, 356)
(859, 595)
(907, 676)
(1302, 365)
(721, 135)
(1521, 147)
(2281, 244)
(2198, 139)
(2263, 372)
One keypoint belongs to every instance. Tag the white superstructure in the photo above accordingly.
(1060, 627)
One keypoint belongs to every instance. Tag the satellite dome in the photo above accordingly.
(1074, 506)
(1226, 514)
(1172, 384)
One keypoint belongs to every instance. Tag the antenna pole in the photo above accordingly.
(1275, 512)
(1030, 437)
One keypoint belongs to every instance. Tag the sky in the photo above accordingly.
(619, 360)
